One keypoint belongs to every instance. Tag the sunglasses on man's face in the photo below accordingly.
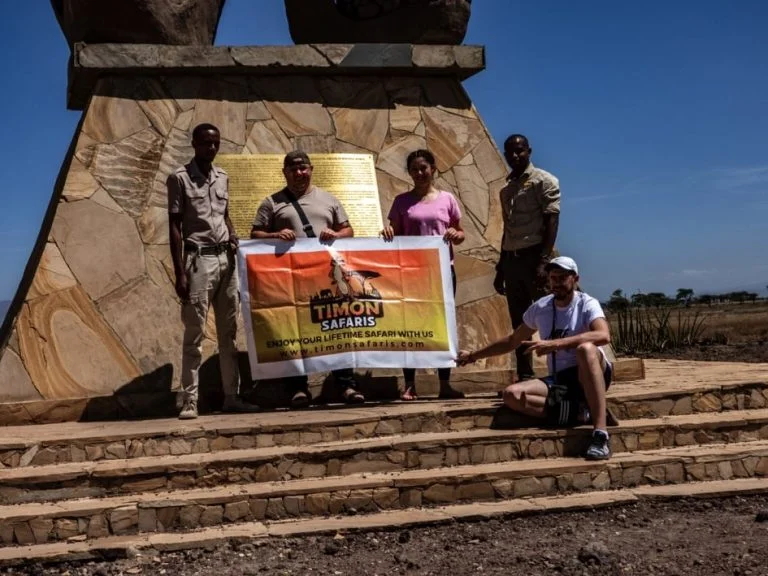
(298, 168)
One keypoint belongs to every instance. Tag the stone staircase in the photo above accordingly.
(77, 490)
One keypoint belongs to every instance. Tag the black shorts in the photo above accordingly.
(565, 394)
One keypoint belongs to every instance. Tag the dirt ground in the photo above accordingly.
(727, 536)
(697, 537)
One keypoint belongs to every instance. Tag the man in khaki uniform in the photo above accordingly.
(530, 204)
(302, 210)
(203, 244)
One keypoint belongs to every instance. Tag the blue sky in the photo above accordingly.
(651, 114)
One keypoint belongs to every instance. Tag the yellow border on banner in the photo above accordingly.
(416, 330)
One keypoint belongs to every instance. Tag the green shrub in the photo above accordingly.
(640, 330)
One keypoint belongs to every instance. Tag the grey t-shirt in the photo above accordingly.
(323, 210)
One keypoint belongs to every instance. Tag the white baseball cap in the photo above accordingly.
(563, 262)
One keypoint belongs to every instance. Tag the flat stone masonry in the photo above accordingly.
(90, 61)
(160, 465)
(34, 523)
(655, 398)
(73, 482)
(97, 316)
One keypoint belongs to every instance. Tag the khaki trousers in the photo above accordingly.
(212, 281)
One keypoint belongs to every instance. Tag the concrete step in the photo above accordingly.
(37, 523)
(110, 547)
(425, 450)
(46, 444)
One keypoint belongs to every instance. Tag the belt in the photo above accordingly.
(209, 250)
(523, 251)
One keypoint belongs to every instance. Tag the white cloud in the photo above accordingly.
(633, 188)
(735, 179)
(580, 199)
(741, 179)
(692, 273)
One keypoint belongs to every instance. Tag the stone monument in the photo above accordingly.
(180, 22)
(94, 329)
(391, 21)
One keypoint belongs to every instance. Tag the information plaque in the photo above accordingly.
(349, 177)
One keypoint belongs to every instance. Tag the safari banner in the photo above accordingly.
(354, 303)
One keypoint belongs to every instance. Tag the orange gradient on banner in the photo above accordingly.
(307, 304)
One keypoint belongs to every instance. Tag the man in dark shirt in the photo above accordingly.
(530, 204)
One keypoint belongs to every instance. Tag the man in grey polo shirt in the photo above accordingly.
(203, 243)
(302, 210)
(530, 204)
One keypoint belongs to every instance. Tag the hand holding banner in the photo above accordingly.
(354, 303)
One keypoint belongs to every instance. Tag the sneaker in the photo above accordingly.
(188, 409)
(600, 447)
(237, 404)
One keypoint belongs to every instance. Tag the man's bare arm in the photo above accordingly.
(232, 234)
(176, 242)
(344, 230)
(261, 233)
(599, 334)
(501, 346)
(551, 224)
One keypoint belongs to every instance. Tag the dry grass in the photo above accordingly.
(736, 322)
(725, 323)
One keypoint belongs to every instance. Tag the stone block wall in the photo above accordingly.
(100, 316)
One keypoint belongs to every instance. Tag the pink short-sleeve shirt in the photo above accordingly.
(413, 217)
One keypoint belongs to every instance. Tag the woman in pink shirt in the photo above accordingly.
(426, 211)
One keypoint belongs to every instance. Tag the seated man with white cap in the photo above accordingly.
(572, 327)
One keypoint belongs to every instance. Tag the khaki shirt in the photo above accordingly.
(524, 201)
(202, 203)
(323, 210)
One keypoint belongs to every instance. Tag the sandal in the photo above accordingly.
(409, 393)
(352, 396)
(300, 399)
